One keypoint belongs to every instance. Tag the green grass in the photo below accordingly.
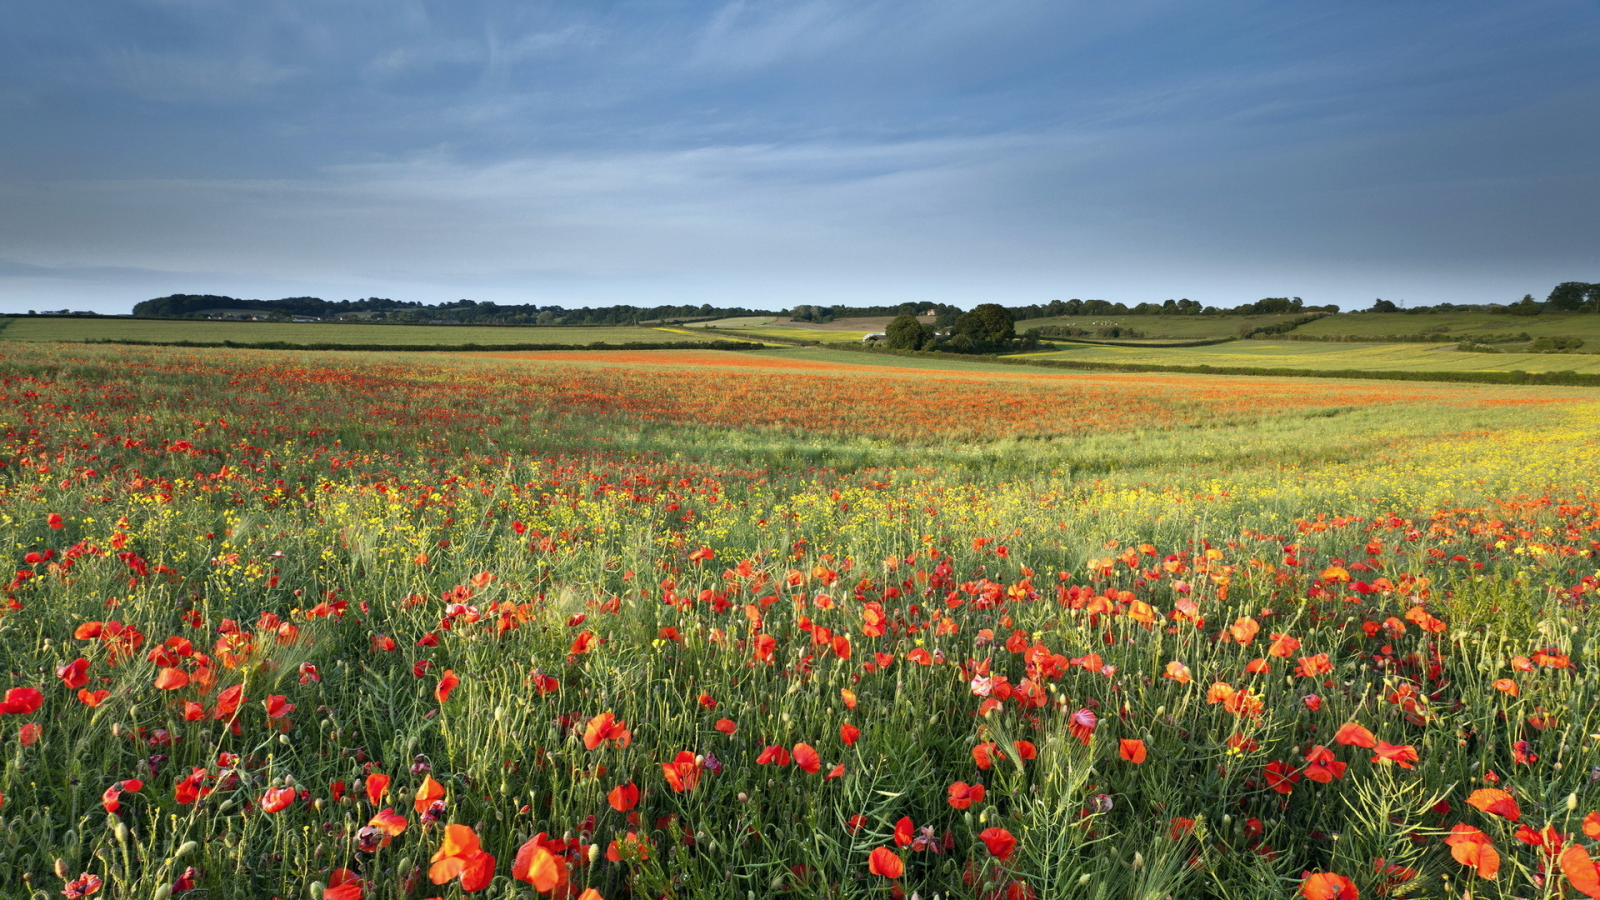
(1333, 356)
(1171, 327)
(798, 333)
(44, 328)
(1583, 325)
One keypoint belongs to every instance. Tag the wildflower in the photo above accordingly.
(1471, 847)
(999, 841)
(461, 856)
(1403, 755)
(963, 795)
(885, 862)
(1327, 886)
(606, 727)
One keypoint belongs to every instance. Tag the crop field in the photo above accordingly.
(1168, 327)
(1460, 325)
(1334, 356)
(50, 328)
(788, 624)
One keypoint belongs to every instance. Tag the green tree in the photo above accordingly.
(1568, 296)
(1527, 306)
(906, 333)
(988, 323)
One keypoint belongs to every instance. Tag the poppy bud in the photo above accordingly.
(162, 892)
(1084, 878)
(283, 739)
(121, 832)
(61, 869)
(1138, 860)
(319, 804)
(743, 797)
(1572, 802)
(317, 889)
(594, 853)
(187, 848)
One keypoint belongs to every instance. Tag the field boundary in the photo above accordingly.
(1515, 376)
(433, 348)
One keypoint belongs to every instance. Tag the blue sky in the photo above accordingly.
(765, 153)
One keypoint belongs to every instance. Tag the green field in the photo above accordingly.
(1170, 327)
(797, 333)
(1332, 356)
(1464, 325)
(46, 328)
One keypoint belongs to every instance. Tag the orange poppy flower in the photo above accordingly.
(171, 679)
(430, 792)
(536, 865)
(963, 795)
(447, 683)
(623, 797)
(1496, 803)
(458, 852)
(1328, 886)
(1132, 750)
(849, 698)
(389, 822)
(806, 757)
(1352, 734)
(377, 786)
(886, 862)
(277, 799)
(1471, 847)
(1581, 870)
(1403, 755)
(606, 727)
(683, 773)
(999, 841)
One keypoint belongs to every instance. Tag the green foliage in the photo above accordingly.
(987, 325)
(906, 333)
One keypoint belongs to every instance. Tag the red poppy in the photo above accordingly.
(277, 799)
(886, 862)
(904, 831)
(461, 856)
(999, 841)
(29, 734)
(1328, 886)
(1581, 870)
(806, 757)
(1281, 776)
(21, 701)
(849, 698)
(963, 795)
(1471, 847)
(389, 822)
(623, 797)
(1496, 803)
(1132, 750)
(1321, 766)
(606, 727)
(1352, 734)
(377, 786)
(344, 884)
(726, 726)
(111, 800)
(983, 755)
(773, 755)
(172, 679)
(1403, 755)
(1082, 725)
(447, 683)
(536, 865)
(427, 794)
(74, 674)
(849, 734)
(683, 773)
(92, 699)
(228, 702)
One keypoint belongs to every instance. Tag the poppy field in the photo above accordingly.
(689, 624)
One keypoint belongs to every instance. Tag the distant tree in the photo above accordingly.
(1594, 298)
(1527, 306)
(1382, 305)
(988, 323)
(1568, 296)
(906, 333)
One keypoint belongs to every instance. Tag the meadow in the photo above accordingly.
(692, 624)
(1316, 355)
(106, 328)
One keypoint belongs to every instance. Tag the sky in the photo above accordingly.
(765, 153)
